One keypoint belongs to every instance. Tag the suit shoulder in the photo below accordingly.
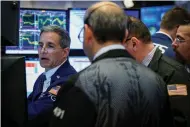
(172, 63)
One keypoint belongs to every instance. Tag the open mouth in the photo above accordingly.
(43, 58)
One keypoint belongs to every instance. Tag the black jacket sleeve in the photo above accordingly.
(73, 108)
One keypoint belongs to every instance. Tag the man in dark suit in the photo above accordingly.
(53, 50)
(140, 46)
(114, 91)
(168, 28)
(181, 45)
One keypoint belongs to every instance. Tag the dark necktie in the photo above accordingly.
(40, 86)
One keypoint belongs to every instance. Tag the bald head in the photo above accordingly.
(107, 21)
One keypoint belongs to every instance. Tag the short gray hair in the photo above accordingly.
(65, 39)
(109, 25)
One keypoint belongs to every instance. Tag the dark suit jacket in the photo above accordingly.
(114, 91)
(163, 40)
(38, 102)
(174, 73)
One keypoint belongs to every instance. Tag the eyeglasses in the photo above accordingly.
(86, 21)
(128, 39)
(48, 48)
(178, 40)
(81, 35)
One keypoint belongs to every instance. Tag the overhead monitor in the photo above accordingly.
(76, 23)
(133, 12)
(32, 20)
(151, 16)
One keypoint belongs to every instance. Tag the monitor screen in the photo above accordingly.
(76, 23)
(151, 16)
(33, 68)
(32, 20)
(13, 91)
(79, 62)
(133, 12)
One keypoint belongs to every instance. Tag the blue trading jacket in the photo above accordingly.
(164, 44)
(38, 102)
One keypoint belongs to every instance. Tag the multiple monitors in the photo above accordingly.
(32, 20)
(151, 16)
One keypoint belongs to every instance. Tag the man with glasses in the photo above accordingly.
(140, 46)
(181, 45)
(53, 50)
(114, 91)
(168, 28)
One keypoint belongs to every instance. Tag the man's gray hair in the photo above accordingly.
(65, 39)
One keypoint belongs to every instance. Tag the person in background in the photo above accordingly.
(181, 44)
(168, 28)
(140, 46)
(53, 50)
(114, 91)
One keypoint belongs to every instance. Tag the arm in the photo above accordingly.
(74, 109)
(41, 105)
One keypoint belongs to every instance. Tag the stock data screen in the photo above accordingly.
(31, 21)
(152, 16)
(76, 23)
(33, 70)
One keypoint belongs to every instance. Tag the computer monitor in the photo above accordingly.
(133, 12)
(79, 62)
(32, 20)
(33, 70)
(13, 91)
(76, 23)
(9, 23)
(151, 16)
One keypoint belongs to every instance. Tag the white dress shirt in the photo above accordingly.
(146, 61)
(48, 75)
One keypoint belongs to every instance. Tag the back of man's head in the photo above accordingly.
(173, 18)
(107, 22)
(136, 28)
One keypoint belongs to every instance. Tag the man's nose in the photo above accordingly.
(43, 49)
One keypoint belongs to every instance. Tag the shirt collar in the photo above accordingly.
(165, 34)
(108, 48)
(146, 61)
(50, 72)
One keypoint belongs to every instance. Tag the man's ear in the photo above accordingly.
(135, 43)
(66, 52)
(88, 34)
